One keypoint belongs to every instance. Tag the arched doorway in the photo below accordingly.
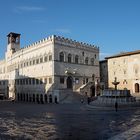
(27, 97)
(33, 97)
(41, 98)
(69, 82)
(136, 88)
(46, 99)
(50, 98)
(55, 100)
(92, 91)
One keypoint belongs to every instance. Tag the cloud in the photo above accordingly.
(65, 31)
(28, 9)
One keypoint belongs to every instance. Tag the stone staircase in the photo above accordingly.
(68, 96)
(86, 88)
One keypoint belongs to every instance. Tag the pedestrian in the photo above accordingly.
(116, 106)
(82, 101)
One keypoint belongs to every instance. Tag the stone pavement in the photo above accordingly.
(131, 134)
(28, 121)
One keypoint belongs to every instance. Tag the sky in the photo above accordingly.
(112, 25)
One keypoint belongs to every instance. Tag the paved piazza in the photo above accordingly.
(66, 122)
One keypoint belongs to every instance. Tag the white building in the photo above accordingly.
(46, 70)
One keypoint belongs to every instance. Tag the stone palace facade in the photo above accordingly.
(47, 69)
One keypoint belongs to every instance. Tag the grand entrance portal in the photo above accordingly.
(69, 82)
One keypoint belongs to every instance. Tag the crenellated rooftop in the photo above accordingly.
(58, 39)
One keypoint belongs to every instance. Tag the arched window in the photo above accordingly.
(76, 59)
(92, 61)
(61, 57)
(86, 60)
(69, 58)
(136, 88)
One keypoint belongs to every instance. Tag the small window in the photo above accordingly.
(86, 61)
(61, 57)
(33, 62)
(83, 53)
(45, 59)
(95, 56)
(41, 60)
(124, 71)
(92, 61)
(26, 63)
(50, 80)
(69, 58)
(76, 59)
(77, 80)
(30, 62)
(37, 61)
(50, 57)
(61, 80)
(45, 80)
(37, 81)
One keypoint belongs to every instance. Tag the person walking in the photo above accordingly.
(116, 106)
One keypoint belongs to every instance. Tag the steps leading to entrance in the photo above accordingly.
(71, 97)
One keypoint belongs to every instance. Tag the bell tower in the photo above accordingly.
(13, 42)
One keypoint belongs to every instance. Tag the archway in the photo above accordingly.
(41, 98)
(55, 100)
(27, 97)
(69, 82)
(92, 91)
(136, 88)
(33, 97)
(50, 98)
(46, 99)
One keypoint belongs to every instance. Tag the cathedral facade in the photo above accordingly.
(48, 69)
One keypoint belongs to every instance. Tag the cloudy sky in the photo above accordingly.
(113, 25)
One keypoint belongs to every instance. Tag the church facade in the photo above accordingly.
(46, 70)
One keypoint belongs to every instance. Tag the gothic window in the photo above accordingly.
(76, 59)
(61, 57)
(86, 60)
(69, 58)
(92, 61)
